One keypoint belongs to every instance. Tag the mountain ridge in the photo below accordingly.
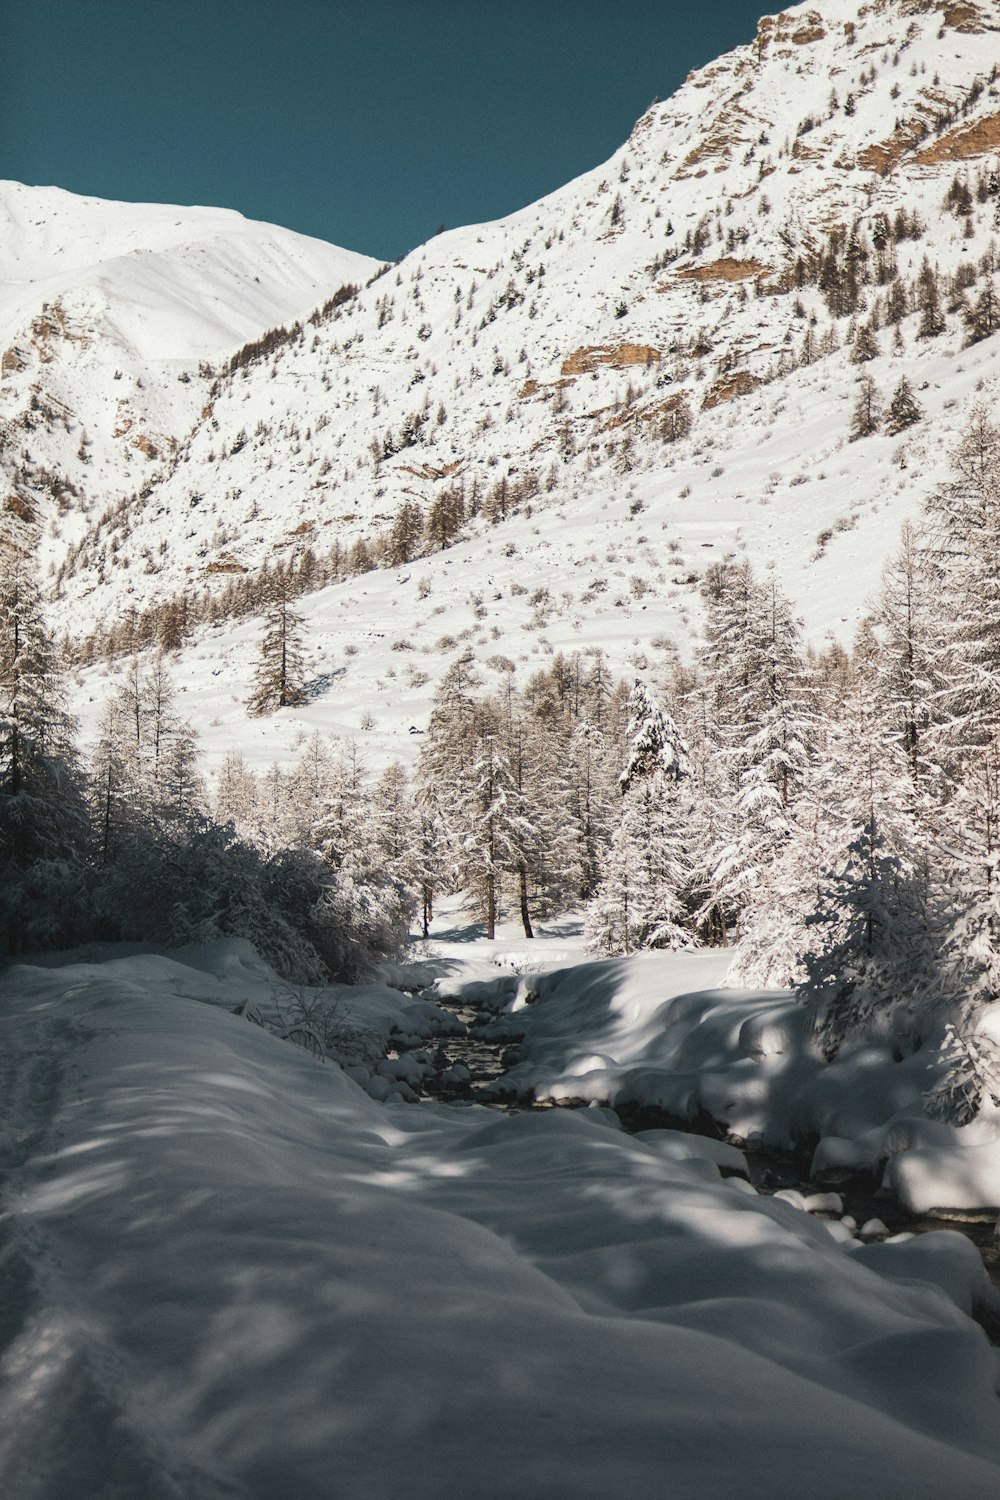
(541, 368)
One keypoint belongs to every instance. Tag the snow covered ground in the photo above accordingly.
(229, 1271)
(547, 344)
(654, 1032)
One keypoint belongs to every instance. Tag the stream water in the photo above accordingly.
(769, 1170)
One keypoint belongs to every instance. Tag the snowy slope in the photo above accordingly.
(108, 315)
(228, 1271)
(533, 361)
(185, 283)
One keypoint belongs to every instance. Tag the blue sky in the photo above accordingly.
(368, 124)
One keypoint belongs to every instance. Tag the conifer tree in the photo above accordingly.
(904, 409)
(932, 319)
(113, 783)
(546, 836)
(42, 817)
(405, 535)
(865, 345)
(676, 420)
(762, 725)
(144, 773)
(902, 669)
(310, 788)
(490, 830)
(590, 774)
(982, 318)
(869, 952)
(643, 898)
(280, 677)
(964, 536)
(444, 768)
(236, 797)
(444, 519)
(396, 826)
(867, 413)
(844, 909)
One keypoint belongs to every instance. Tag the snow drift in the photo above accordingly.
(229, 1271)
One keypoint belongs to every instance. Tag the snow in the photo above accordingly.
(771, 475)
(171, 282)
(229, 1270)
(658, 1031)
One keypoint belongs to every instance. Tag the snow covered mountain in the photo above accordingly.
(649, 369)
(106, 312)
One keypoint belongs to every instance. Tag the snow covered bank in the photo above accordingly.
(653, 1031)
(229, 1271)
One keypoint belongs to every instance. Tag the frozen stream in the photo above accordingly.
(466, 1065)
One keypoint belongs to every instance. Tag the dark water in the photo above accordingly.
(769, 1170)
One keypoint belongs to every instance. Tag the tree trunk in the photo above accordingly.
(522, 876)
(491, 907)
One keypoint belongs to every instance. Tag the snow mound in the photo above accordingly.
(651, 1033)
(228, 1270)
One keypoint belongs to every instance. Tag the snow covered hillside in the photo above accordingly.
(313, 516)
(228, 1271)
(540, 431)
(184, 283)
(107, 311)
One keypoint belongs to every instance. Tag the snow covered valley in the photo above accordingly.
(555, 570)
(229, 1270)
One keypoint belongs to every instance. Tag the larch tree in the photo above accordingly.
(493, 831)
(839, 909)
(280, 677)
(643, 898)
(145, 767)
(869, 948)
(545, 835)
(867, 412)
(982, 317)
(904, 409)
(370, 896)
(113, 782)
(902, 667)
(963, 529)
(865, 345)
(762, 719)
(932, 319)
(593, 794)
(406, 534)
(42, 815)
(237, 797)
(966, 861)
(444, 769)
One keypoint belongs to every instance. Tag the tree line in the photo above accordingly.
(835, 816)
(128, 844)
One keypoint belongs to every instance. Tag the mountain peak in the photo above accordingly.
(581, 404)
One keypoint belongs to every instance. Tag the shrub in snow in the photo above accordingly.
(868, 951)
(196, 881)
(320, 1022)
(972, 1071)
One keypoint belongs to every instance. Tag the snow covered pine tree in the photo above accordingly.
(641, 901)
